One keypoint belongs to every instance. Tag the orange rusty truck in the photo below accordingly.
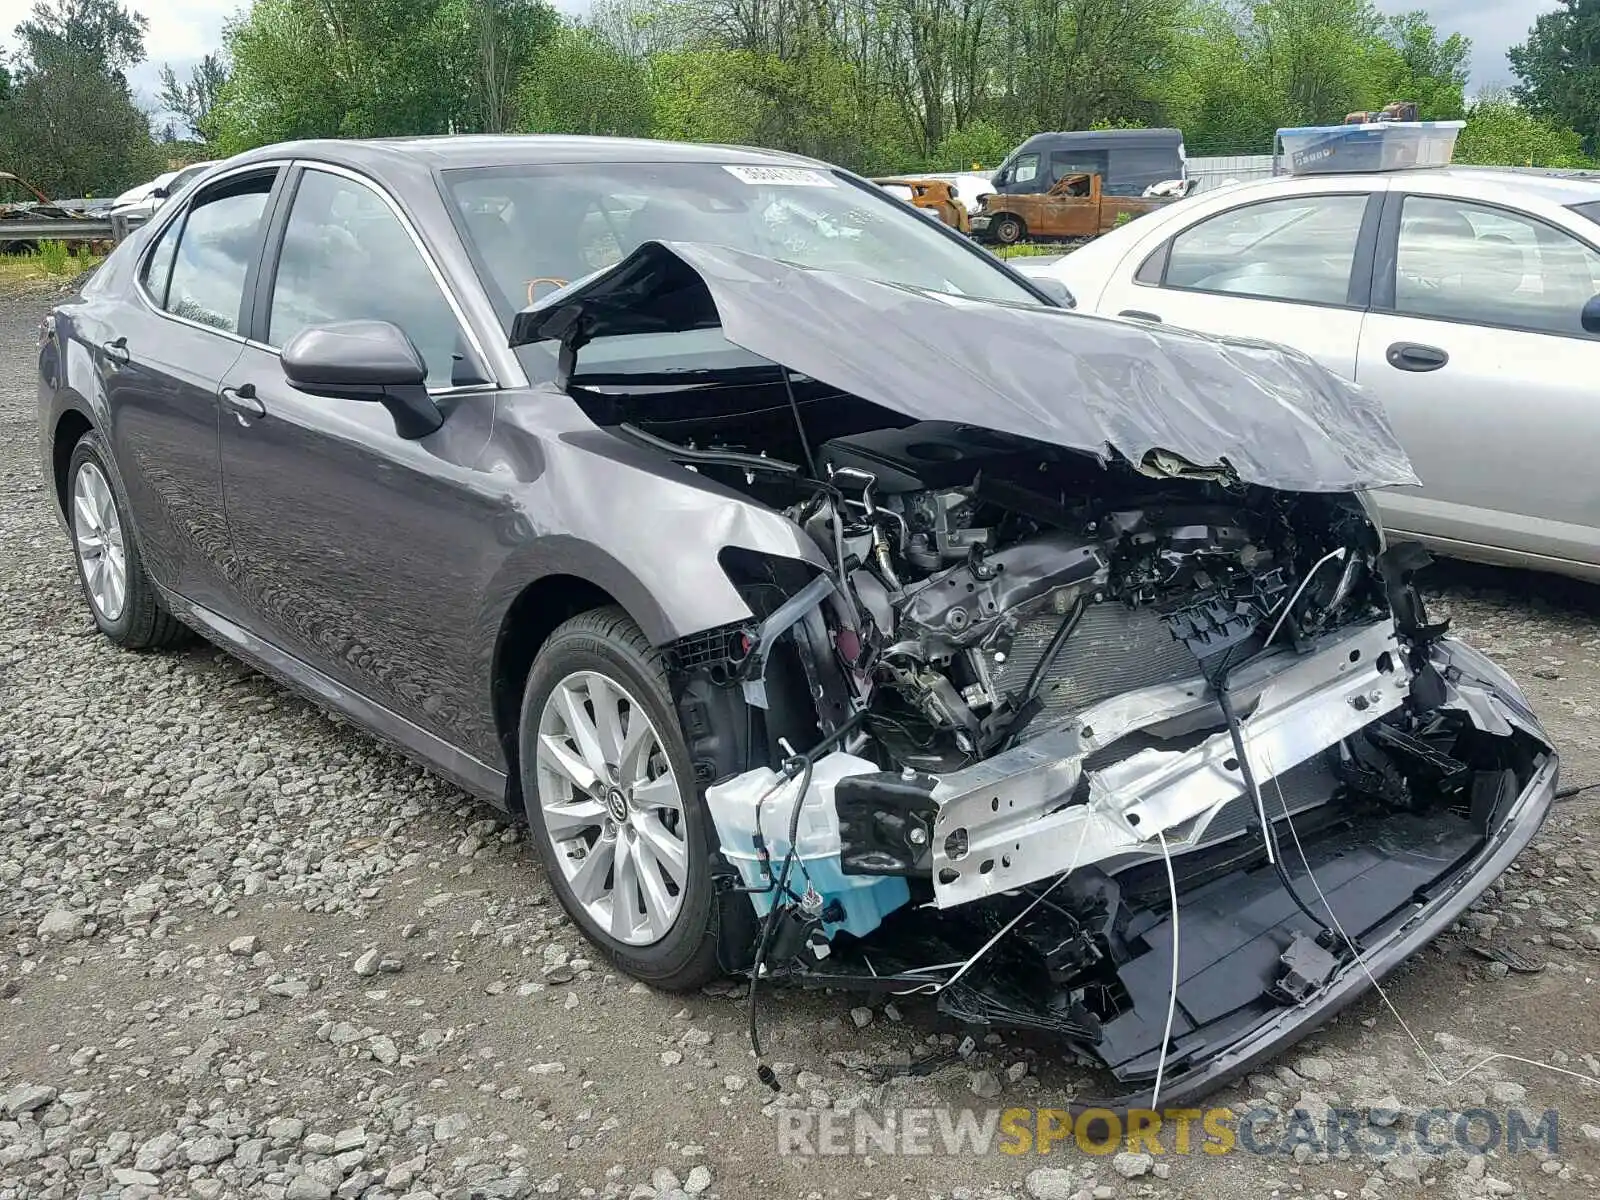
(1075, 208)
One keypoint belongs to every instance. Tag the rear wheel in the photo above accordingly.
(1007, 229)
(612, 803)
(121, 597)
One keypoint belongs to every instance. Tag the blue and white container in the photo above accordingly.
(1378, 146)
(866, 899)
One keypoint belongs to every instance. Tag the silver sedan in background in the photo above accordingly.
(1467, 299)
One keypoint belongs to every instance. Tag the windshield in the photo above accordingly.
(534, 228)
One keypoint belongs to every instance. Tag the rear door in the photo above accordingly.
(363, 554)
(1295, 269)
(174, 343)
(1476, 348)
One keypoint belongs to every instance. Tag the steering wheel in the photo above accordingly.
(549, 279)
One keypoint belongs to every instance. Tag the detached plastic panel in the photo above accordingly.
(1381, 146)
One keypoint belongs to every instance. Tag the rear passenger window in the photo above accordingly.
(158, 263)
(1299, 248)
(219, 241)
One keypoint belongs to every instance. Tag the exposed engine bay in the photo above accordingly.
(1152, 750)
(1016, 664)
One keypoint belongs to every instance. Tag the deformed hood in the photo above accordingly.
(1150, 394)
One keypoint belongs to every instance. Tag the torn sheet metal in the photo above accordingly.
(1477, 686)
(1160, 397)
(1009, 821)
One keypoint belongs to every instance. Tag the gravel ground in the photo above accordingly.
(247, 951)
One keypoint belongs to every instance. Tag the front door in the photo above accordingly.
(1476, 348)
(363, 554)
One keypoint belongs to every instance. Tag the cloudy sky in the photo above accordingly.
(1493, 25)
(181, 31)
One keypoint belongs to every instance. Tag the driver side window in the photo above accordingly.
(1458, 261)
(1026, 169)
(346, 256)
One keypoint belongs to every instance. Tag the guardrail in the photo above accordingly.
(62, 229)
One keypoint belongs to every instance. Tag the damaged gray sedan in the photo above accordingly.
(841, 611)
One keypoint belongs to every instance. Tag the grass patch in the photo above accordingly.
(53, 261)
(1030, 250)
(54, 256)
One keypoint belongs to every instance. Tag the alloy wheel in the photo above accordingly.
(97, 531)
(612, 807)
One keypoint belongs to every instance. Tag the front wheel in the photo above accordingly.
(1007, 229)
(612, 803)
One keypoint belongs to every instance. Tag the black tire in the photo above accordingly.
(143, 623)
(1008, 230)
(607, 641)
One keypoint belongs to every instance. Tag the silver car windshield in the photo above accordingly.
(534, 228)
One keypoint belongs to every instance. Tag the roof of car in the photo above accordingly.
(1557, 187)
(496, 150)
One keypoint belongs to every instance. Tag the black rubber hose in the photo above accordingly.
(1268, 837)
(1052, 652)
(770, 924)
(1041, 668)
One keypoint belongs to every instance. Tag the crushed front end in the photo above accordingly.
(1022, 685)
(1096, 675)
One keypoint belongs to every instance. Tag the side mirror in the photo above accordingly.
(1055, 289)
(364, 360)
(1591, 315)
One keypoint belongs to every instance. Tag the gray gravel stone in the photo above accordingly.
(62, 925)
(289, 1129)
(303, 1187)
(209, 1149)
(27, 1097)
(1131, 1166)
(1050, 1183)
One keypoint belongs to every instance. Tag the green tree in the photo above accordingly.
(102, 33)
(195, 99)
(375, 68)
(1422, 66)
(1558, 68)
(68, 122)
(700, 95)
(577, 82)
(1218, 94)
(1502, 132)
(978, 144)
(879, 85)
(501, 39)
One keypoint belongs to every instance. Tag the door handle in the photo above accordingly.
(1139, 314)
(116, 351)
(242, 400)
(1412, 356)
